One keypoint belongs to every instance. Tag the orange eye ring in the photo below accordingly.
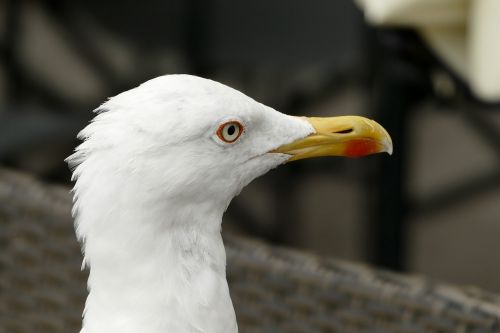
(230, 131)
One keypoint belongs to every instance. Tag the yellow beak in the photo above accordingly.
(350, 136)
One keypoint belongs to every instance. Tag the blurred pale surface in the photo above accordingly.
(464, 33)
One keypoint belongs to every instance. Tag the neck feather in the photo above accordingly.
(155, 266)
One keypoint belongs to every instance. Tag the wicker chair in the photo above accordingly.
(274, 290)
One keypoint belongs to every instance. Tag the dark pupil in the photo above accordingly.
(231, 129)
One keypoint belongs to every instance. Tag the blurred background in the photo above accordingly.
(433, 208)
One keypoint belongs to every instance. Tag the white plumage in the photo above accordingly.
(153, 179)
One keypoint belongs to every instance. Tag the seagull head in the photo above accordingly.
(182, 137)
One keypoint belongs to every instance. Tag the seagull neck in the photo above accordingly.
(152, 268)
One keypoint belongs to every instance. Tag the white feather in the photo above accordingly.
(152, 183)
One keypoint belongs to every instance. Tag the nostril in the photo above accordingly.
(346, 131)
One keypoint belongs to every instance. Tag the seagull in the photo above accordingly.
(157, 168)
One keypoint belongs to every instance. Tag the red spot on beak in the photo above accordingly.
(360, 147)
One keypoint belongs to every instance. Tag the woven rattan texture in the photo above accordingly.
(274, 290)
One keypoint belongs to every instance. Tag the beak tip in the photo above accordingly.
(388, 147)
(386, 141)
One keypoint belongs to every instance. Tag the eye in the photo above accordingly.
(230, 132)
